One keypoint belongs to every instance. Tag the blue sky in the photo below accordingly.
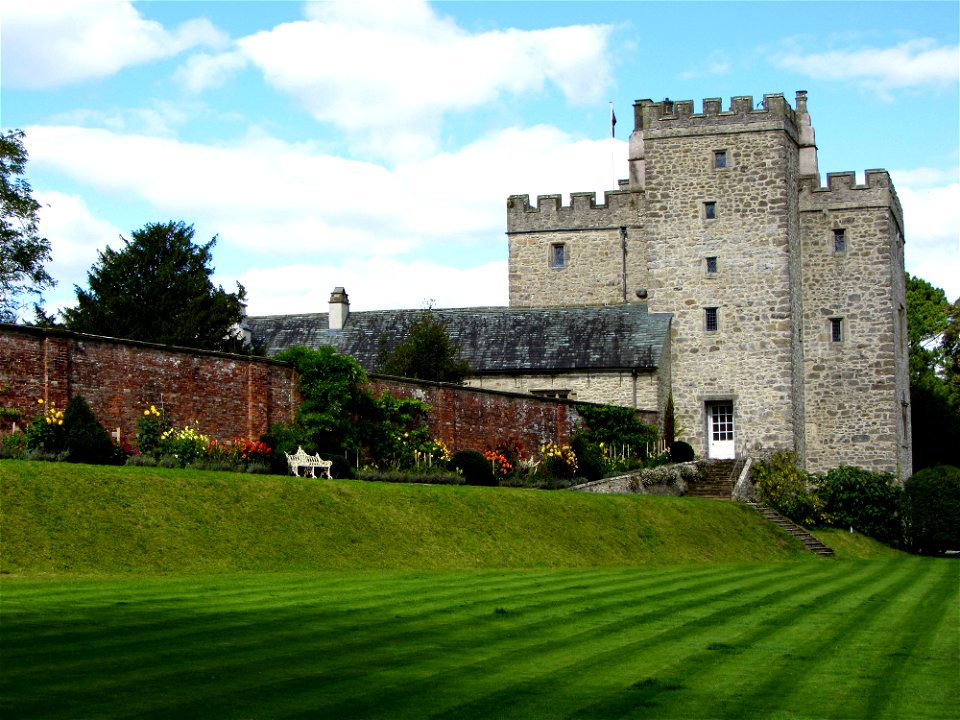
(373, 145)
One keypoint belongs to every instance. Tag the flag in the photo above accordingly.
(613, 121)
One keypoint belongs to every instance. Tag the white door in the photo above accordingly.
(720, 445)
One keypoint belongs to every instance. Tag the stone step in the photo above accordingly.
(809, 541)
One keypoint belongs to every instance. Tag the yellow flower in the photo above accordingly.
(146, 412)
(40, 401)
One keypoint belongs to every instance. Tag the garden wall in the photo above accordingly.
(473, 419)
(229, 395)
(233, 395)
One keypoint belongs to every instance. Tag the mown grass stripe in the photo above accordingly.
(638, 669)
(901, 657)
(215, 650)
(655, 643)
(807, 642)
(552, 664)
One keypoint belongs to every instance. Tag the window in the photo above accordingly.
(836, 330)
(719, 158)
(710, 210)
(711, 266)
(558, 255)
(710, 319)
(555, 394)
(839, 240)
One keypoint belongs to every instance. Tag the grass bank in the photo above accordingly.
(62, 518)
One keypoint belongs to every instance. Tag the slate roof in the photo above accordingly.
(493, 340)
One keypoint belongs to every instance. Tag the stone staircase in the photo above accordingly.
(811, 543)
(717, 482)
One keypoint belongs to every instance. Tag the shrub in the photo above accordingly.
(681, 452)
(559, 461)
(474, 467)
(186, 445)
(618, 427)
(142, 461)
(867, 501)
(150, 427)
(589, 455)
(85, 439)
(13, 445)
(931, 510)
(783, 486)
(341, 468)
(46, 433)
(425, 477)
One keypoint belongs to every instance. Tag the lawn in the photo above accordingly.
(845, 639)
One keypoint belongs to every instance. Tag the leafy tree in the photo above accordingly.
(333, 400)
(22, 251)
(931, 510)
(934, 335)
(158, 289)
(427, 353)
(926, 323)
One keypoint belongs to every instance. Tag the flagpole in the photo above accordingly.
(613, 164)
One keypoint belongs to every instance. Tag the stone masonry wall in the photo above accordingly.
(857, 389)
(749, 358)
(231, 396)
(613, 388)
(601, 242)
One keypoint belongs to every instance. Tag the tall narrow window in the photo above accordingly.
(719, 158)
(710, 210)
(711, 265)
(839, 240)
(710, 319)
(558, 255)
(836, 330)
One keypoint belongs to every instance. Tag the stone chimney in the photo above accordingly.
(808, 142)
(339, 309)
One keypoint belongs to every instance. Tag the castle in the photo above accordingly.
(721, 273)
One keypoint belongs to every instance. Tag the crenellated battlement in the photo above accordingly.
(667, 114)
(620, 207)
(842, 190)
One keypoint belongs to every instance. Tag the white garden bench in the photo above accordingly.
(300, 459)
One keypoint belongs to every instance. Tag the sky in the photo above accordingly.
(373, 145)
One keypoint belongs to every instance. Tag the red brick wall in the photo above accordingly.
(472, 419)
(230, 396)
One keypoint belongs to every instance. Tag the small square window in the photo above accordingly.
(839, 240)
(710, 319)
(719, 158)
(710, 210)
(711, 266)
(558, 255)
(836, 330)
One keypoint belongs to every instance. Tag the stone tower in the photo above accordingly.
(787, 298)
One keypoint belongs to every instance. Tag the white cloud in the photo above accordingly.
(204, 71)
(388, 73)
(75, 236)
(374, 284)
(51, 43)
(276, 204)
(909, 64)
(931, 211)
